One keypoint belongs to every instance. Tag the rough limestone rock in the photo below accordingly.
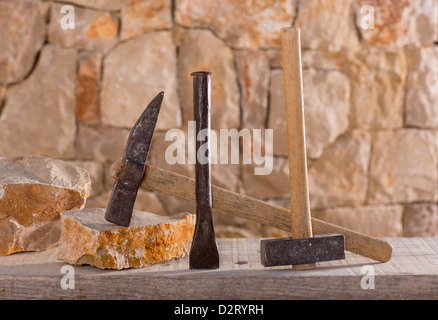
(33, 192)
(243, 23)
(94, 30)
(87, 238)
(134, 73)
(326, 109)
(23, 33)
(39, 114)
(202, 50)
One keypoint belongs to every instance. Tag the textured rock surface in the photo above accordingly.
(340, 176)
(327, 25)
(48, 125)
(134, 73)
(422, 87)
(88, 87)
(23, 33)
(145, 15)
(87, 238)
(326, 109)
(100, 4)
(200, 50)
(404, 166)
(243, 24)
(93, 30)
(420, 220)
(378, 221)
(377, 88)
(398, 22)
(32, 195)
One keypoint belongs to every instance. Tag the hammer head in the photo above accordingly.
(121, 203)
(288, 251)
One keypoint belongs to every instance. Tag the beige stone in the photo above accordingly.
(254, 73)
(134, 73)
(23, 33)
(327, 25)
(100, 142)
(378, 80)
(275, 184)
(145, 15)
(113, 5)
(33, 192)
(94, 30)
(200, 50)
(399, 23)
(420, 220)
(48, 124)
(88, 87)
(403, 166)
(87, 238)
(243, 24)
(340, 176)
(377, 221)
(422, 87)
(145, 201)
(326, 109)
(95, 170)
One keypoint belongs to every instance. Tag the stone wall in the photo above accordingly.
(370, 94)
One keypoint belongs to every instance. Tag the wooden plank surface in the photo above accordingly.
(412, 273)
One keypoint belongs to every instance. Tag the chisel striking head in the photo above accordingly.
(121, 203)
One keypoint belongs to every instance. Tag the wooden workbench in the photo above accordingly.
(412, 273)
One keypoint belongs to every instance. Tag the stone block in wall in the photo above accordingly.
(201, 50)
(140, 16)
(100, 143)
(88, 87)
(94, 30)
(23, 26)
(134, 73)
(377, 221)
(39, 114)
(243, 24)
(254, 72)
(326, 109)
(422, 87)
(396, 22)
(113, 5)
(327, 25)
(403, 166)
(340, 176)
(378, 80)
(420, 220)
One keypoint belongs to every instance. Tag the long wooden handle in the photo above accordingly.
(301, 224)
(296, 133)
(182, 187)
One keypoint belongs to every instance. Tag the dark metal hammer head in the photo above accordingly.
(121, 203)
(288, 251)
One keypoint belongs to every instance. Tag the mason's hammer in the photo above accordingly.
(302, 250)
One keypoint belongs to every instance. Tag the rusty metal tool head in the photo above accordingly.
(203, 253)
(302, 250)
(124, 193)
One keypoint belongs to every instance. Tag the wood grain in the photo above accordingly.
(182, 187)
(412, 273)
(301, 224)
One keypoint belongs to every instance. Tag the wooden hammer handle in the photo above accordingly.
(182, 187)
(296, 133)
